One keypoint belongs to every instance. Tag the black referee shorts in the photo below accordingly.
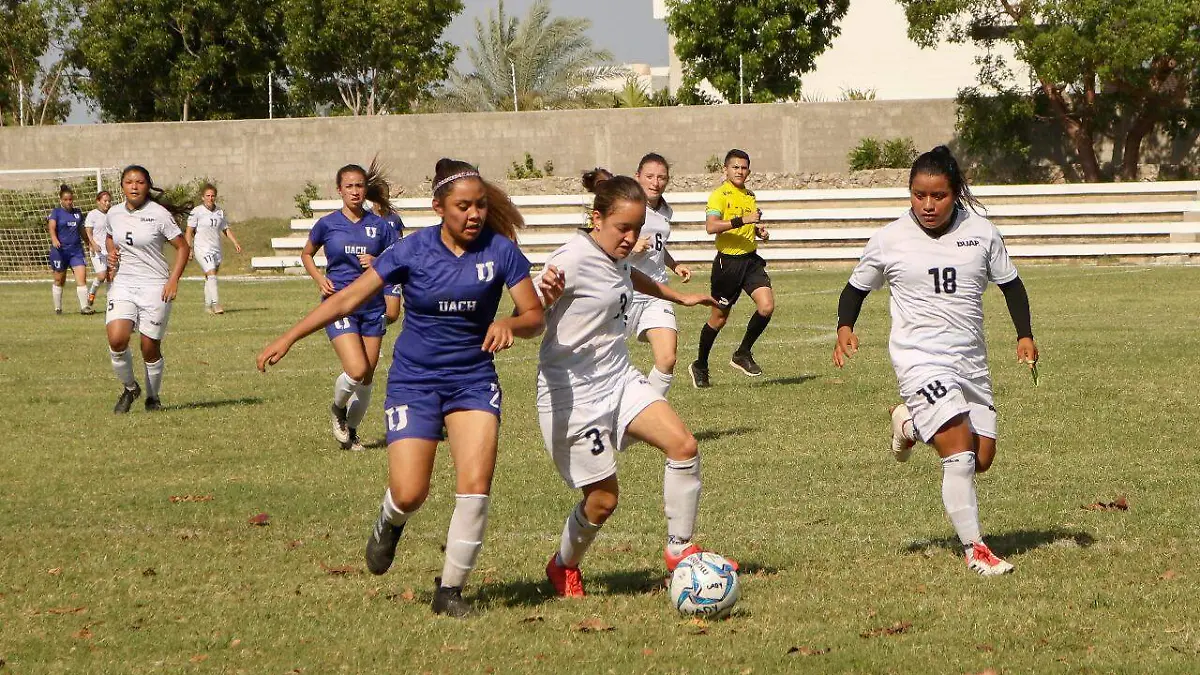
(732, 274)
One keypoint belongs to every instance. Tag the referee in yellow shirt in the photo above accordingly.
(733, 216)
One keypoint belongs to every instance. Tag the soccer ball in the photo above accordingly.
(704, 584)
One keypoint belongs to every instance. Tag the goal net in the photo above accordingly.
(26, 199)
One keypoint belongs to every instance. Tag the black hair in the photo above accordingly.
(100, 194)
(65, 189)
(739, 154)
(940, 162)
(349, 168)
(379, 190)
(653, 158)
(156, 194)
(595, 177)
(503, 216)
(615, 190)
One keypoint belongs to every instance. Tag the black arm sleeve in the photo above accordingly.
(1017, 300)
(850, 304)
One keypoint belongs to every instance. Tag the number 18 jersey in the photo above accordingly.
(583, 354)
(937, 287)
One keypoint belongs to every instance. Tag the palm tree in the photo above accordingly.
(556, 65)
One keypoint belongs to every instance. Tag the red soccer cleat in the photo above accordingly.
(981, 559)
(567, 581)
(673, 561)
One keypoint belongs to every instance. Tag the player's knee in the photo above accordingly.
(665, 363)
(601, 505)
(151, 351)
(767, 308)
(359, 372)
(409, 502)
(718, 322)
(368, 377)
(684, 448)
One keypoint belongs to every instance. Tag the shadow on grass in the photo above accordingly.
(221, 403)
(796, 379)
(526, 593)
(235, 310)
(1011, 543)
(714, 434)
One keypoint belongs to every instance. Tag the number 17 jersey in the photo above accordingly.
(937, 287)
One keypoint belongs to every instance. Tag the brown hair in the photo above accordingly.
(653, 158)
(379, 191)
(595, 177)
(503, 217)
(155, 194)
(615, 190)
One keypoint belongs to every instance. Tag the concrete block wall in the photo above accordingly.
(261, 164)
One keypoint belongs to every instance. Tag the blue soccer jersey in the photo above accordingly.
(449, 302)
(67, 227)
(396, 222)
(344, 241)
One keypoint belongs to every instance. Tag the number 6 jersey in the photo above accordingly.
(937, 289)
(583, 354)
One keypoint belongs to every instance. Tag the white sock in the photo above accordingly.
(464, 539)
(681, 501)
(343, 388)
(958, 496)
(56, 292)
(123, 368)
(358, 405)
(81, 292)
(154, 373)
(578, 534)
(659, 381)
(94, 285)
(392, 512)
(210, 291)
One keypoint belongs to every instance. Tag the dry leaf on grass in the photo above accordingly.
(647, 652)
(989, 671)
(807, 651)
(149, 572)
(532, 619)
(1168, 575)
(260, 520)
(199, 658)
(293, 544)
(67, 610)
(985, 648)
(593, 625)
(54, 571)
(1119, 504)
(894, 629)
(175, 499)
(339, 571)
(236, 642)
(84, 633)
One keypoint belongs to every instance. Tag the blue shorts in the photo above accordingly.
(364, 324)
(394, 290)
(63, 259)
(421, 412)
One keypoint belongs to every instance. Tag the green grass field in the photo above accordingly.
(102, 572)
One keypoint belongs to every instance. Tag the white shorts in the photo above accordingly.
(936, 397)
(583, 440)
(99, 263)
(646, 313)
(143, 305)
(209, 260)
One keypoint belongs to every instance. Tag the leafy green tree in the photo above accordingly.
(28, 30)
(633, 94)
(365, 57)
(556, 64)
(1104, 67)
(777, 40)
(175, 59)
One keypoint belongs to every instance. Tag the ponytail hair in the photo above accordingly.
(178, 209)
(595, 177)
(653, 158)
(616, 190)
(65, 189)
(379, 190)
(503, 216)
(940, 162)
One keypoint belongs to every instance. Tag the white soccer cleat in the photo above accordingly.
(981, 559)
(902, 443)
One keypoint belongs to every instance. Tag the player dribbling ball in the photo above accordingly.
(937, 260)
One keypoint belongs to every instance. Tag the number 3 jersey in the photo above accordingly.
(937, 287)
(449, 303)
(583, 354)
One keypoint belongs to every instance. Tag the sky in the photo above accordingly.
(627, 28)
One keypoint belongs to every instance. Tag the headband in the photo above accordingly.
(450, 179)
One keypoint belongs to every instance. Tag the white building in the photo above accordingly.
(873, 52)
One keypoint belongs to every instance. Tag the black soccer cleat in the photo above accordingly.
(87, 311)
(128, 396)
(448, 600)
(699, 375)
(353, 442)
(58, 311)
(153, 404)
(381, 544)
(744, 361)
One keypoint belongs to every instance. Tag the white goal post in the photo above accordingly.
(27, 196)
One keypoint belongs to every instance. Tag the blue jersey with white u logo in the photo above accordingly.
(343, 241)
(449, 302)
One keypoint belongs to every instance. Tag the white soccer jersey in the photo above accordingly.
(653, 261)
(208, 225)
(97, 222)
(139, 237)
(937, 290)
(583, 354)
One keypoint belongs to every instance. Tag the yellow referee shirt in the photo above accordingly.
(728, 202)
